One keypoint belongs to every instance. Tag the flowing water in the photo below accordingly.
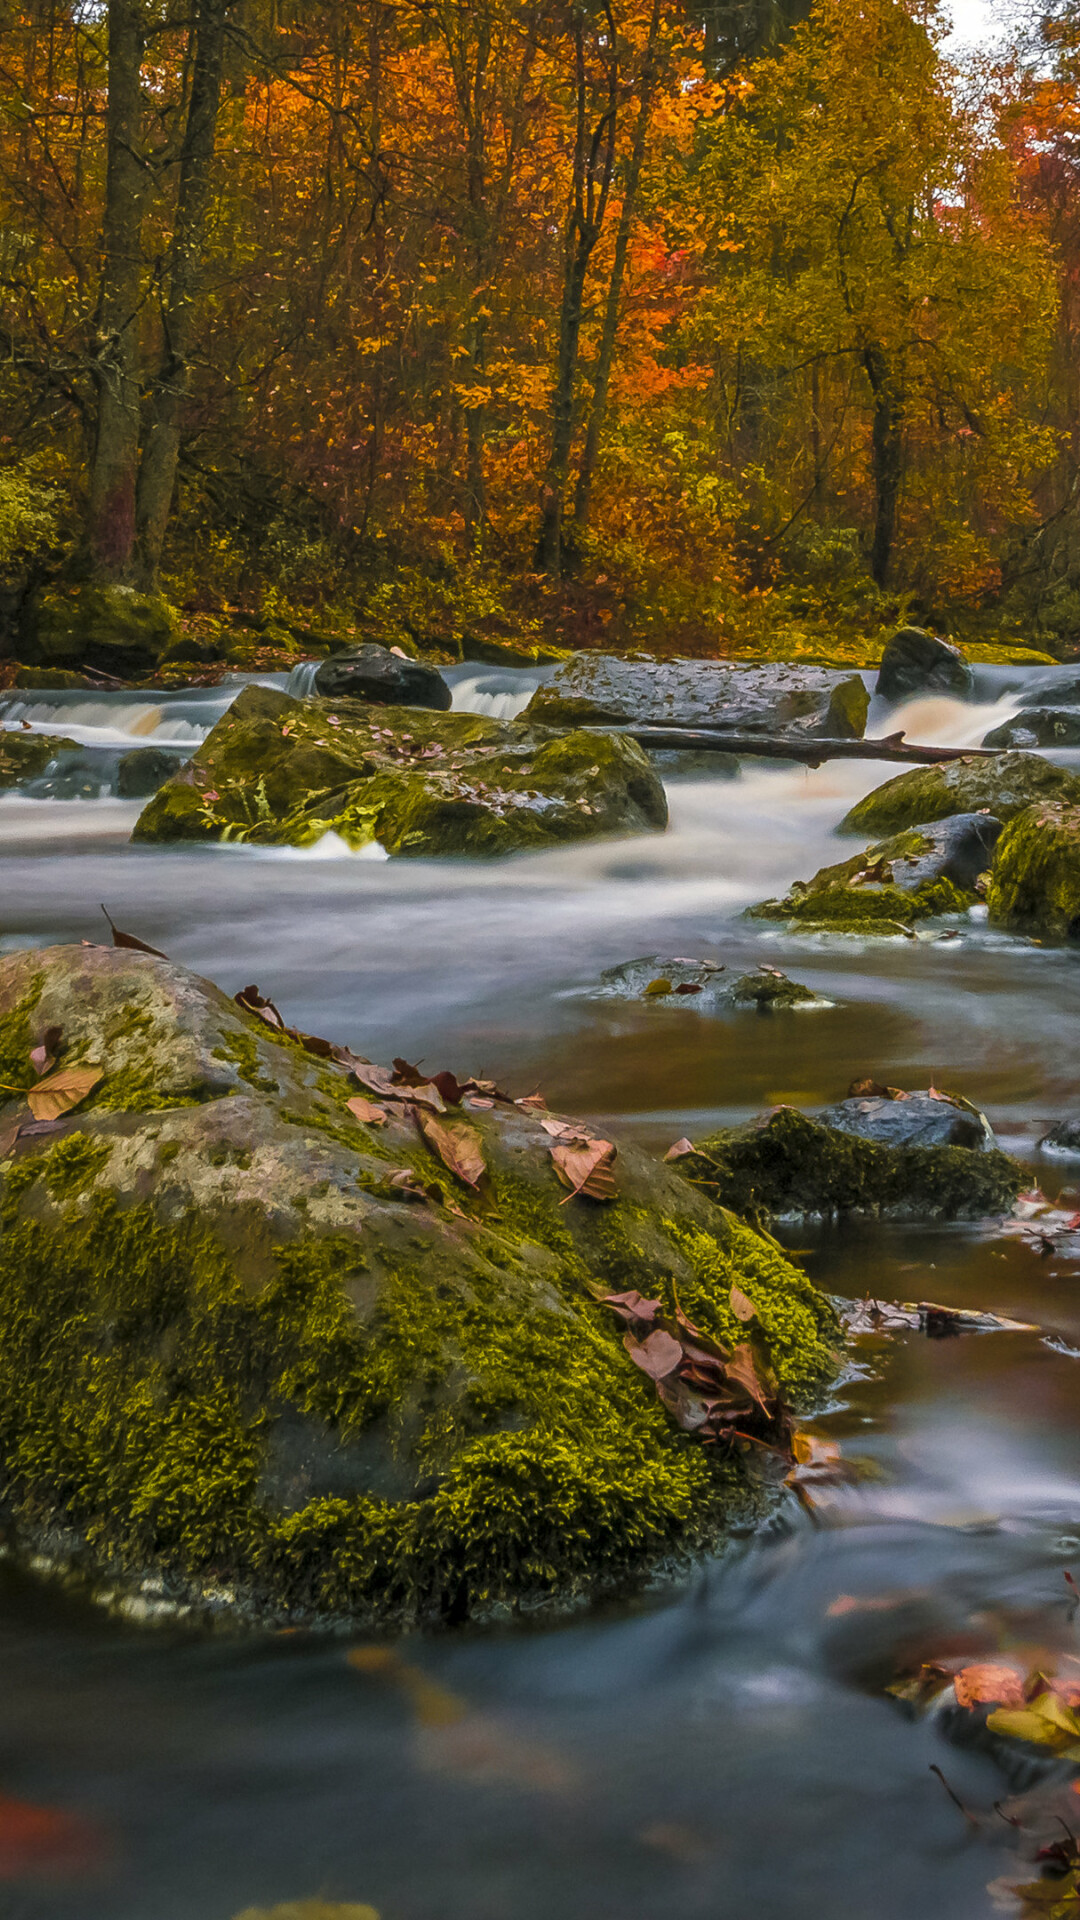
(716, 1750)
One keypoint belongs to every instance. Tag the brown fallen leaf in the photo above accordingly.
(254, 1002)
(367, 1111)
(680, 1149)
(632, 1305)
(586, 1169)
(59, 1092)
(457, 1144)
(688, 986)
(477, 1105)
(120, 939)
(533, 1102)
(657, 1355)
(43, 1058)
(873, 1090)
(743, 1308)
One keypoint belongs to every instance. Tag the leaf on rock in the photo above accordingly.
(743, 1308)
(59, 1092)
(120, 939)
(984, 1685)
(254, 1002)
(457, 1144)
(532, 1102)
(632, 1305)
(658, 1355)
(8, 1137)
(873, 1090)
(376, 1080)
(367, 1111)
(409, 1076)
(680, 1149)
(43, 1058)
(586, 1169)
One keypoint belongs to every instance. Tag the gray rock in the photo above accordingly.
(1038, 727)
(1054, 689)
(374, 673)
(915, 661)
(959, 848)
(1063, 1137)
(143, 771)
(606, 688)
(918, 1120)
(703, 985)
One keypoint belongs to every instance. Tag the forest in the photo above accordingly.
(732, 330)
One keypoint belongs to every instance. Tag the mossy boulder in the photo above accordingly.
(704, 986)
(1004, 785)
(281, 772)
(113, 628)
(239, 1355)
(883, 890)
(604, 688)
(23, 756)
(785, 1163)
(1035, 879)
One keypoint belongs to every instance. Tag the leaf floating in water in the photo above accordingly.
(121, 939)
(586, 1169)
(656, 988)
(457, 1144)
(44, 1840)
(985, 1684)
(59, 1092)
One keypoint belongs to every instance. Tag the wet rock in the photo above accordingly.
(374, 673)
(1038, 727)
(785, 1163)
(605, 688)
(235, 1350)
(1060, 689)
(1035, 879)
(1063, 1137)
(282, 772)
(24, 756)
(113, 629)
(704, 985)
(915, 662)
(142, 771)
(1003, 786)
(915, 1120)
(912, 876)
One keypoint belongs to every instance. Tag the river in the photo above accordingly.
(718, 1750)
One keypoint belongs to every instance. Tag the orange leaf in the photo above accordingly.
(741, 1307)
(457, 1144)
(367, 1111)
(59, 1092)
(587, 1168)
(988, 1685)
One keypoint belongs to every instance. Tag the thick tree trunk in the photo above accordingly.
(157, 471)
(886, 458)
(609, 332)
(110, 535)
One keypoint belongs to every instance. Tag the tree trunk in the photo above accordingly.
(594, 161)
(886, 457)
(157, 471)
(602, 377)
(110, 534)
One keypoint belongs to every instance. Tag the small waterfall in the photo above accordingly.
(300, 684)
(500, 692)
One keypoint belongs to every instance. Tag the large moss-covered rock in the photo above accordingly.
(1004, 785)
(237, 1352)
(113, 628)
(23, 756)
(883, 890)
(604, 688)
(785, 1163)
(1035, 879)
(283, 772)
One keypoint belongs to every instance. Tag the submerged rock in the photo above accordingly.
(605, 688)
(282, 772)
(784, 1162)
(249, 1341)
(374, 673)
(703, 985)
(1003, 786)
(1035, 879)
(915, 661)
(927, 1119)
(1061, 689)
(1038, 727)
(886, 888)
(24, 756)
(141, 772)
(1063, 1137)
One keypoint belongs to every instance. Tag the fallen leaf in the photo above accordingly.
(632, 1305)
(873, 1090)
(254, 1002)
(532, 1101)
(457, 1144)
(406, 1183)
(658, 1355)
(657, 987)
(741, 1307)
(688, 986)
(586, 1169)
(367, 1111)
(8, 1137)
(680, 1149)
(939, 1322)
(478, 1106)
(44, 1840)
(43, 1057)
(59, 1092)
(120, 939)
(986, 1685)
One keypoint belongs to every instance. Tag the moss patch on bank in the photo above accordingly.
(1035, 879)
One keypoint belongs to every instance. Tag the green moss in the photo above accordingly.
(862, 894)
(18, 1037)
(1004, 783)
(242, 1050)
(792, 1165)
(73, 1164)
(1035, 878)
